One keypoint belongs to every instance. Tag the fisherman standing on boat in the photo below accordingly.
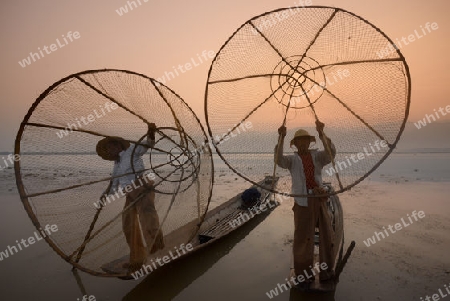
(305, 167)
(143, 211)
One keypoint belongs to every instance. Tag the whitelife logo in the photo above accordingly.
(131, 5)
(430, 118)
(34, 56)
(12, 158)
(437, 297)
(147, 269)
(183, 68)
(391, 48)
(341, 165)
(108, 107)
(281, 16)
(11, 250)
(398, 226)
(282, 287)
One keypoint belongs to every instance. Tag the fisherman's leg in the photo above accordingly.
(326, 242)
(127, 221)
(149, 219)
(133, 235)
(303, 248)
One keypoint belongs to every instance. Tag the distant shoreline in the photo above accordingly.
(401, 151)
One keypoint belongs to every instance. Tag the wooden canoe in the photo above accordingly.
(217, 223)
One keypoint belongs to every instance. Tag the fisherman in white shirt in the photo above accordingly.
(139, 189)
(305, 166)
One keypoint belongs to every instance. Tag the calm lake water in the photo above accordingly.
(242, 266)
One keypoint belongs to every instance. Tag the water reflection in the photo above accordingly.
(168, 281)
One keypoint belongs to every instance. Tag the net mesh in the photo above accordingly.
(299, 65)
(61, 177)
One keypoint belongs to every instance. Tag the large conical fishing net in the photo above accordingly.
(295, 66)
(61, 178)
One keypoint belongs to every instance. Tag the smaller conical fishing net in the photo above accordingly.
(61, 178)
(296, 66)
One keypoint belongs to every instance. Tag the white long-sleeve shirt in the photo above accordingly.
(123, 165)
(295, 165)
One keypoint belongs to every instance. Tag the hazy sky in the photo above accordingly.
(160, 34)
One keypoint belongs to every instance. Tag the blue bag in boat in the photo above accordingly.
(250, 197)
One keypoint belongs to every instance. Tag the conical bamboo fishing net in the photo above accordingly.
(293, 67)
(61, 178)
